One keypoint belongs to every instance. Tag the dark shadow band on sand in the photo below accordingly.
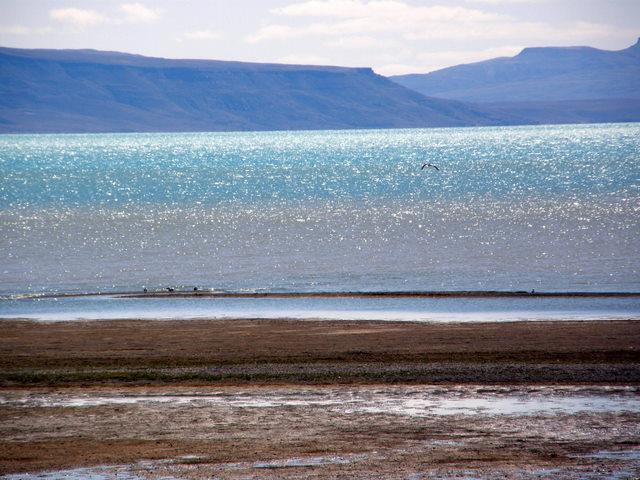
(400, 294)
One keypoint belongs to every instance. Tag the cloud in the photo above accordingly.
(457, 57)
(15, 30)
(396, 36)
(389, 9)
(399, 20)
(20, 30)
(525, 32)
(354, 42)
(506, 2)
(399, 69)
(77, 17)
(273, 32)
(126, 13)
(361, 18)
(138, 13)
(428, 62)
(303, 60)
(336, 8)
(201, 35)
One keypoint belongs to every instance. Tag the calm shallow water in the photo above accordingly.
(513, 208)
(410, 401)
(402, 309)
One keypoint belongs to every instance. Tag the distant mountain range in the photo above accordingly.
(93, 91)
(544, 85)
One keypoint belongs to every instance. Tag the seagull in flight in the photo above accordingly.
(429, 165)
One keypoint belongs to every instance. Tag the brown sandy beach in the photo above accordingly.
(268, 398)
(302, 352)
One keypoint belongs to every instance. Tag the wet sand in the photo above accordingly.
(322, 431)
(303, 352)
(321, 399)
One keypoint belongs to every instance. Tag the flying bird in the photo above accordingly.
(429, 165)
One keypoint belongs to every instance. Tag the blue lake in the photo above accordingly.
(551, 208)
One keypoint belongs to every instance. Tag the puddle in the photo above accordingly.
(621, 465)
(626, 455)
(308, 462)
(446, 443)
(93, 473)
(127, 472)
(409, 401)
(240, 401)
(296, 462)
(515, 405)
(539, 474)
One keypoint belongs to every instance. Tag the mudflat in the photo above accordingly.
(348, 431)
(320, 399)
(293, 351)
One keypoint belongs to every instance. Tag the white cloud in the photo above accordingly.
(355, 42)
(336, 8)
(273, 32)
(19, 30)
(303, 60)
(399, 69)
(430, 61)
(201, 35)
(137, 12)
(77, 17)
(395, 34)
(353, 24)
(126, 13)
(456, 57)
(384, 9)
(362, 18)
(505, 2)
(525, 32)
(461, 29)
(15, 30)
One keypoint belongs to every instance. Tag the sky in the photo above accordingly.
(391, 36)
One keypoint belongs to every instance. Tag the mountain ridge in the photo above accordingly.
(93, 91)
(112, 57)
(537, 74)
(86, 90)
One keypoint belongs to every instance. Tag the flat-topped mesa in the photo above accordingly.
(89, 91)
(134, 60)
(539, 50)
(543, 74)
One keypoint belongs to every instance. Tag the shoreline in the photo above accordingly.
(329, 294)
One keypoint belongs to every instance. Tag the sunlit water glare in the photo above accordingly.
(550, 208)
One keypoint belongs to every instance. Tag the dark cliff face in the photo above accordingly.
(537, 74)
(93, 91)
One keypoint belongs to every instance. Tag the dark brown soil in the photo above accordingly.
(288, 351)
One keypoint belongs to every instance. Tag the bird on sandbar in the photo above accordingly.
(431, 165)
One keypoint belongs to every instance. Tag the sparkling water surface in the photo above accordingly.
(551, 208)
